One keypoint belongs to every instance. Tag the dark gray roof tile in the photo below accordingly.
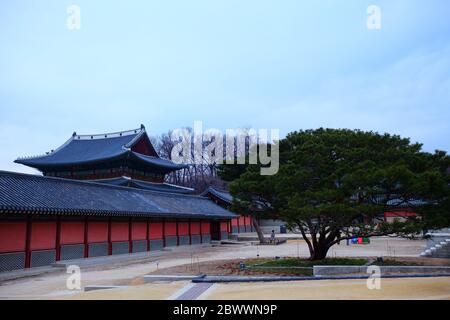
(40, 194)
(222, 195)
(89, 149)
(140, 184)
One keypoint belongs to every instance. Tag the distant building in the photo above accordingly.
(240, 224)
(100, 195)
(243, 223)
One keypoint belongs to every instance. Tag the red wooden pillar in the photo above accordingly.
(190, 235)
(164, 232)
(28, 242)
(109, 237)
(148, 235)
(238, 227)
(58, 238)
(130, 235)
(178, 235)
(86, 230)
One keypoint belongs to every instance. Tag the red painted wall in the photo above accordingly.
(224, 226)
(139, 230)
(234, 222)
(12, 236)
(400, 214)
(119, 231)
(97, 231)
(183, 228)
(195, 227)
(206, 227)
(43, 235)
(155, 230)
(171, 229)
(72, 232)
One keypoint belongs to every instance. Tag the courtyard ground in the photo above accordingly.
(405, 288)
(53, 285)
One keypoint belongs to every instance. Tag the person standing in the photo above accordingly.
(272, 237)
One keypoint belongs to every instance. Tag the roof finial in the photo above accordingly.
(74, 134)
(142, 127)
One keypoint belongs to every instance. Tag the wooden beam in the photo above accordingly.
(58, 238)
(148, 234)
(86, 233)
(130, 235)
(28, 242)
(164, 232)
(178, 234)
(189, 229)
(109, 236)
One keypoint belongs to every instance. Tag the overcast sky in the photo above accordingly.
(283, 64)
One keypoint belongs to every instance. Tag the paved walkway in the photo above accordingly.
(195, 291)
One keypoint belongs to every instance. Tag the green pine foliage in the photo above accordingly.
(335, 184)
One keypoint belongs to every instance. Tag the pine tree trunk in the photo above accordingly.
(258, 230)
(319, 252)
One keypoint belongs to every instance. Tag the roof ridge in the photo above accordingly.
(109, 134)
(75, 136)
(175, 185)
(218, 189)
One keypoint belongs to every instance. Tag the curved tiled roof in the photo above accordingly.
(38, 194)
(77, 151)
(88, 149)
(140, 184)
(222, 195)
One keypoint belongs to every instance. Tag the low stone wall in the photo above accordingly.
(351, 270)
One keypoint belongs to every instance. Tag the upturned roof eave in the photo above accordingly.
(125, 154)
(217, 194)
(45, 165)
(170, 166)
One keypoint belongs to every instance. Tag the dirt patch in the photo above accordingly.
(232, 267)
(218, 267)
(413, 261)
(221, 267)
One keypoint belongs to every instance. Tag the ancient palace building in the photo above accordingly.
(100, 195)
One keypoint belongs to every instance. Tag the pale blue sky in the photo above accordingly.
(284, 64)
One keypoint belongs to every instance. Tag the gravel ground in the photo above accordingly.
(405, 288)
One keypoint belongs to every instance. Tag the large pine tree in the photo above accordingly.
(333, 185)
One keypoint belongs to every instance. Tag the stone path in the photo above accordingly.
(195, 291)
